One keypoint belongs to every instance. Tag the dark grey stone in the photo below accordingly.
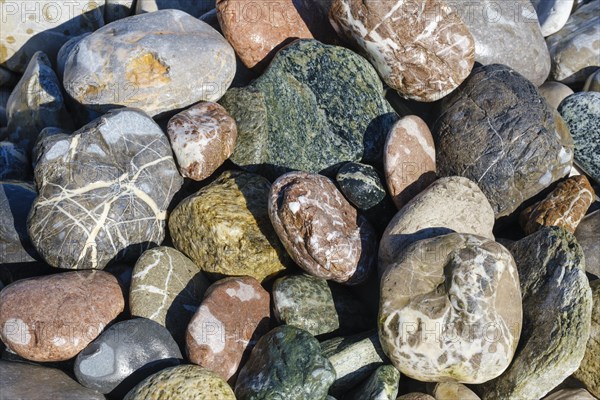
(361, 185)
(588, 237)
(14, 163)
(16, 199)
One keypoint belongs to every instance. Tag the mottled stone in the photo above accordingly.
(361, 185)
(14, 163)
(23, 381)
(148, 61)
(581, 112)
(166, 287)
(103, 192)
(441, 300)
(16, 199)
(225, 229)
(195, 8)
(575, 46)
(571, 394)
(451, 204)
(592, 84)
(321, 231)
(43, 25)
(590, 365)
(552, 14)
(182, 382)
(232, 317)
(555, 92)
(415, 396)
(285, 363)
(202, 137)
(52, 318)
(499, 132)
(408, 159)
(139, 346)
(299, 122)
(453, 391)
(588, 237)
(421, 49)
(381, 385)
(551, 271)
(118, 9)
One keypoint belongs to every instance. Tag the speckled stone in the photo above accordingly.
(552, 14)
(16, 199)
(309, 124)
(581, 112)
(361, 185)
(182, 382)
(225, 228)
(139, 346)
(592, 84)
(148, 61)
(422, 50)
(436, 327)
(202, 138)
(52, 318)
(234, 314)
(166, 287)
(285, 363)
(552, 344)
(498, 132)
(381, 385)
(195, 8)
(590, 365)
(555, 92)
(588, 237)
(571, 394)
(14, 163)
(103, 191)
(23, 381)
(453, 391)
(321, 231)
(117, 9)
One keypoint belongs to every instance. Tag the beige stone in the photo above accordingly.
(555, 92)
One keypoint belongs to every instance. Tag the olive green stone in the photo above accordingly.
(382, 385)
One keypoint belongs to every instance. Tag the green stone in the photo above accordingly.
(381, 385)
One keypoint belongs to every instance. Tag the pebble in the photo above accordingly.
(137, 346)
(133, 63)
(225, 229)
(52, 318)
(381, 385)
(14, 162)
(103, 192)
(590, 365)
(555, 92)
(587, 237)
(463, 289)
(498, 132)
(570, 394)
(361, 185)
(592, 84)
(453, 391)
(202, 137)
(195, 8)
(16, 199)
(234, 314)
(321, 231)
(552, 14)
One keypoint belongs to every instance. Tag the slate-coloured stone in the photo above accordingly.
(195, 8)
(381, 385)
(14, 163)
(361, 185)
(588, 237)
(117, 9)
(16, 199)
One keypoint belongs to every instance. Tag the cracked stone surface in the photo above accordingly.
(103, 191)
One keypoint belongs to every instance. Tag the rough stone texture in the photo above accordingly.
(415, 396)
(202, 137)
(408, 159)
(139, 346)
(462, 288)
(285, 363)
(590, 365)
(565, 206)
(166, 287)
(571, 394)
(14, 163)
(361, 185)
(552, 14)
(592, 84)
(117, 9)
(451, 204)
(381, 385)
(453, 391)
(44, 25)
(22, 381)
(499, 132)
(52, 318)
(575, 46)
(195, 8)
(321, 231)
(225, 229)
(148, 61)
(232, 317)
(257, 30)
(581, 112)
(555, 92)
(421, 49)
(16, 199)
(552, 344)
(103, 192)
(182, 382)
(588, 237)
(300, 122)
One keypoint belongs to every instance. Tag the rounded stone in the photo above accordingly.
(182, 382)
(555, 92)
(587, 237)
(552, 14)
(592, 84)
(225, 229)
(415, 396)
(442, 300)
(202, 138)
(52, 318)
(361, 185)
(453, 391)
(321, 231)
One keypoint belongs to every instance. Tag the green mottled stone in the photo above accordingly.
(225, 228)
(182, 382)
(286, 363)
(382, 385)
(315, 106)
(557, 307)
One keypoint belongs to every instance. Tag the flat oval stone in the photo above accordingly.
(16, 199)
(182, 382)
(361, 185)
(225, 229)
(321, 231)
(552, 14)
(52, 318)
(103, 192)
(555, 92)
(202, 137)
(590, 365)
(499, 132)
(234, 314)
(285, 363)
(442, 301)
(137, 346)
(148, 61)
